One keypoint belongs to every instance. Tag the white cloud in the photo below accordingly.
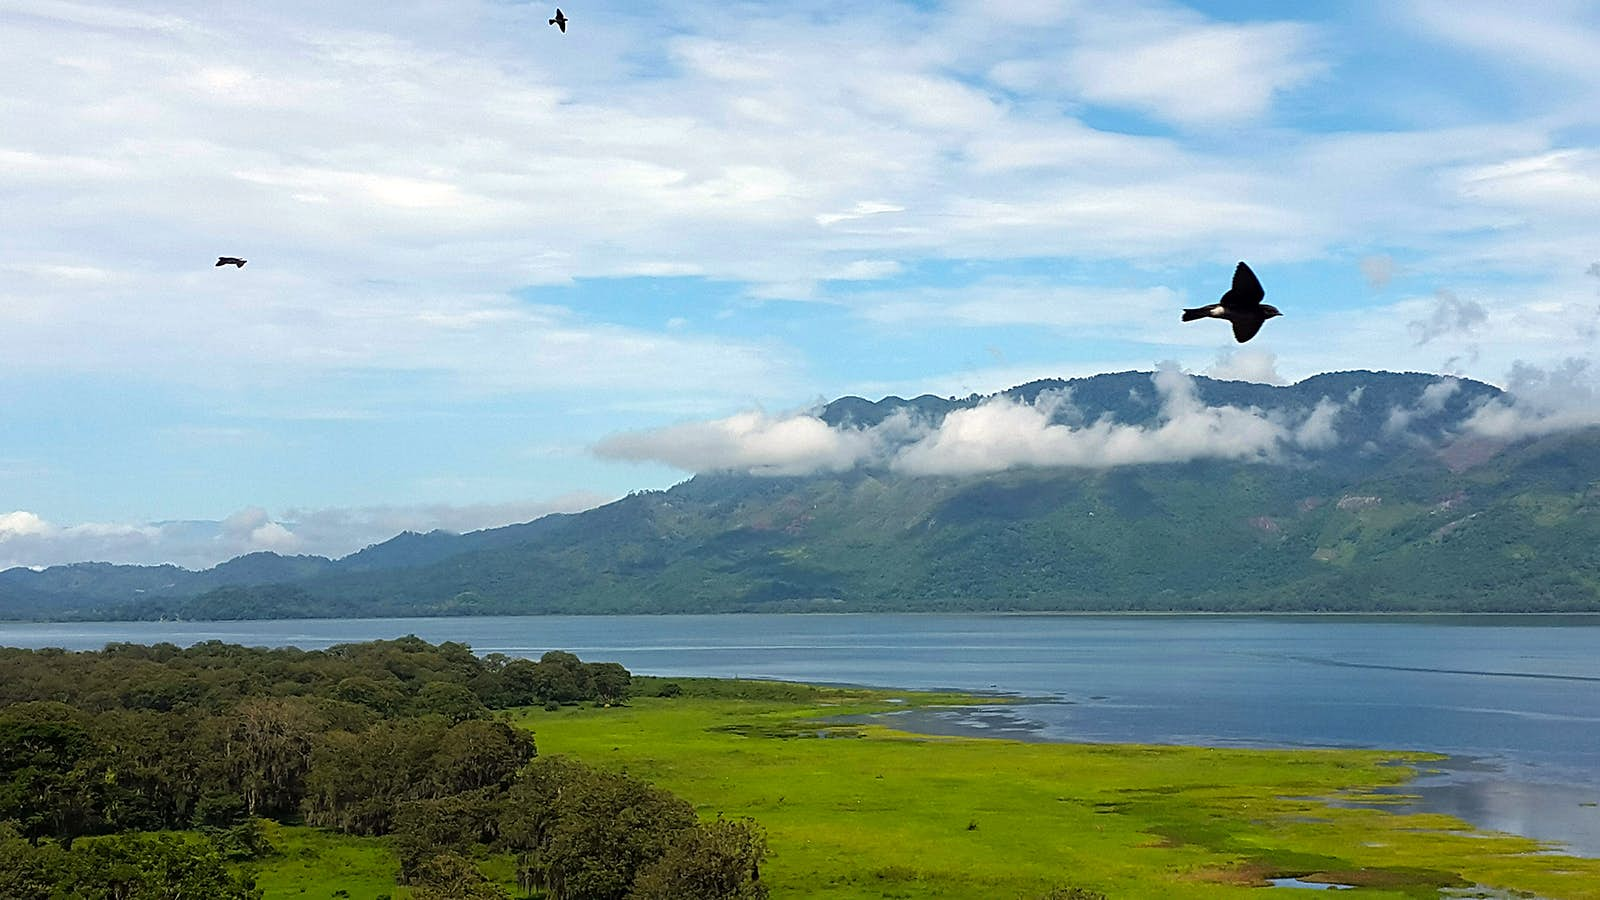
(997, 434)
(1003, 434)
(1557, 37)
(1319, 431)
(1260, 366)
(994, 302)
(867, 270)
(1193, 73)
(1429, 402)
(1562, 183)
(21, 524)
(400, 177)
(860, 210)
(27, 539)
(1541, 401)
(1449, 316)
(748, 442)
(390, 186)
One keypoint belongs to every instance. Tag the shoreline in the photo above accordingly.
(822, 613)
(1489, 793)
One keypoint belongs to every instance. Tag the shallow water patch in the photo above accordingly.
(1309, 885)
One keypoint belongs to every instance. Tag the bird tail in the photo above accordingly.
(552, 21)
(1189, 315)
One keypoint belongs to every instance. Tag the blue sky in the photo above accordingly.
(485, 255)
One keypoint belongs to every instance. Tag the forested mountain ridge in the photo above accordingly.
(1347, 491)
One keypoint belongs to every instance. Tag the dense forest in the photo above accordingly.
(142, 772)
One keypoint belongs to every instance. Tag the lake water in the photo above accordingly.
(1514, 700)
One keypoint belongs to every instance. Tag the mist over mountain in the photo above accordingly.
(1149, 491)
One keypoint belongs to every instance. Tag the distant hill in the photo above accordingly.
(1376, 498)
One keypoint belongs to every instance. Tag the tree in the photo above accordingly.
(268, 750)
(478, 754)
(451, 876)
(519, 683)
(357, 780)
(423, 829)
(611, 682)
(123, 867)
(718, 860)
(383, 697)
(456, 702)
(586, 833)
(26, 872)
(561, 677)
(47, 772)
(161, 768)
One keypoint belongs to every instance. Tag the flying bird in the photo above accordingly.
(1241, 305)
(230, 261)
(560, 21)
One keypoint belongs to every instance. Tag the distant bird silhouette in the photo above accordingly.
(1241, 305)
(560, 21)
(230, 261)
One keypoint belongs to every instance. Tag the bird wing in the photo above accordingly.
(1246, 289)
(1246, 326)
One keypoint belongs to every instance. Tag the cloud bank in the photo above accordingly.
(1541, 401)
(751, 442)
(999, 433)
(27, 539)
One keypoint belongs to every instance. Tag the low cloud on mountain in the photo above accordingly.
(751, 442)
(997, 434)
(1260, 366)
(1541, 401)
(1430, 402)
(1005, 434)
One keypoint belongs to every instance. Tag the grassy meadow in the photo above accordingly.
(864, 811)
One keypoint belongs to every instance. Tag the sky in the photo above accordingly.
(496, 271)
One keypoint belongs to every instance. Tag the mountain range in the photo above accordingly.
(1351, 491)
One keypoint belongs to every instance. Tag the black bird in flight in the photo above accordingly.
(1241, 305)
(230, 261)
(560, 21)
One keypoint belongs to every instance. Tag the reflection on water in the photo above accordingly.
(1500, 801)
(1309, 885)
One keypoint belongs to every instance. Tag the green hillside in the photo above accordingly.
(1384, 518)
(1519, 533)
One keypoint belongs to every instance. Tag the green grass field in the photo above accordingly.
(862, 811)
(312, 863)
(315, 863)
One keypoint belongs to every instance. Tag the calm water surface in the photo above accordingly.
(1515, 700)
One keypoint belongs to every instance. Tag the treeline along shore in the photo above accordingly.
(152, 771)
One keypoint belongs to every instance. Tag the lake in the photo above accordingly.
(1514, 700)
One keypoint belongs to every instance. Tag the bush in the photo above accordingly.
(1072, 893)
